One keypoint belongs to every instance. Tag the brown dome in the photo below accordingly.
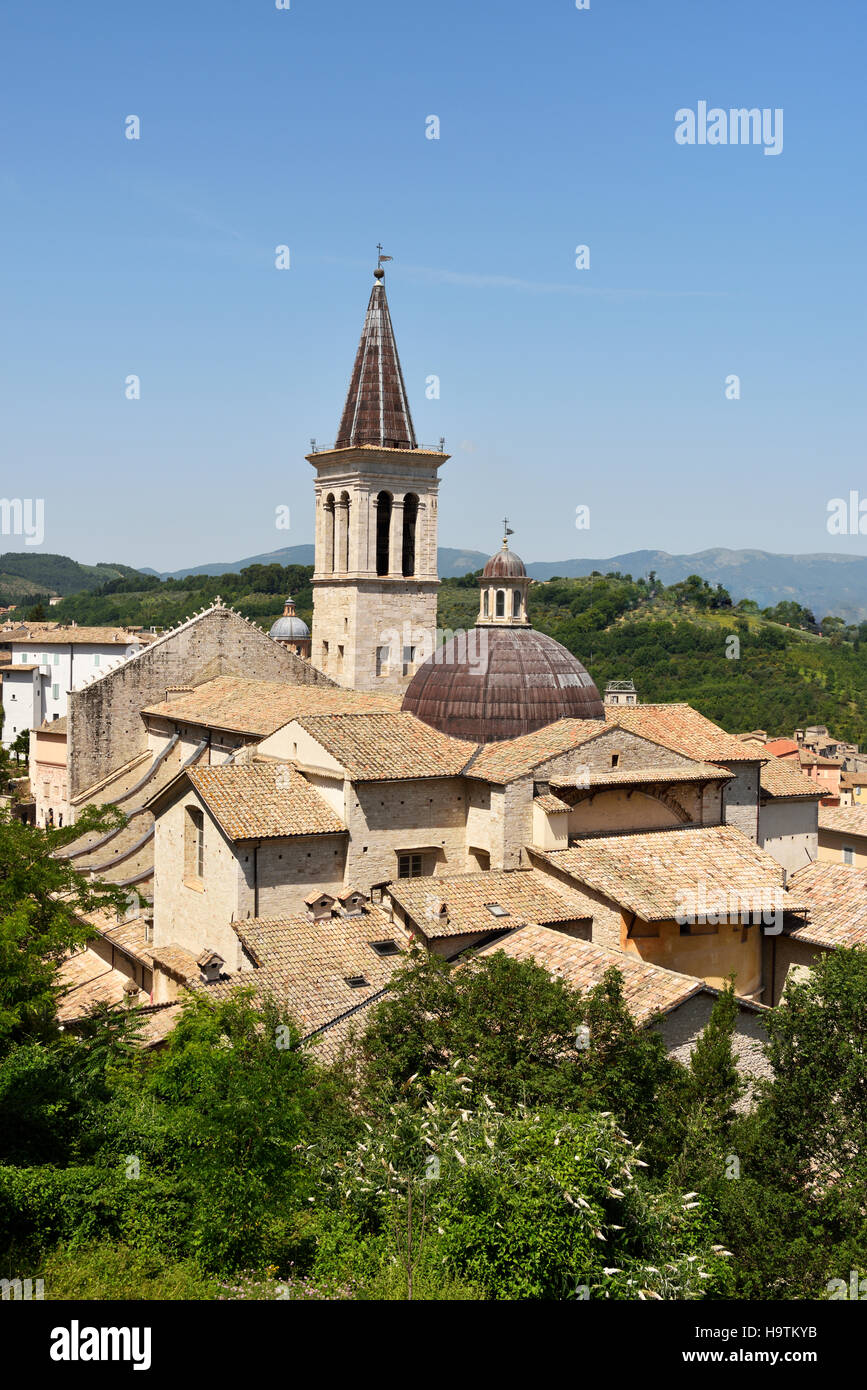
(501, 682)
(505, 565)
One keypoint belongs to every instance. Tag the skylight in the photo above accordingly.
(495, 910)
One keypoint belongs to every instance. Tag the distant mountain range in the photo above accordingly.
(825, 583)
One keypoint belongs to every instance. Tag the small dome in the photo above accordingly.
(289, 629)
(505, 565)
(503, 683)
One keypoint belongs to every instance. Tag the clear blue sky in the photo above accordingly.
(559, 387)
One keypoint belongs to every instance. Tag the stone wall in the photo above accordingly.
(789, 831)
(389, 818)
(105, 725)
(195, 916)
(741, 798)
(287, 871)
(681, 1029)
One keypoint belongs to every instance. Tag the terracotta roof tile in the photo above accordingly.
(780, 778)
(647, 989)
(261, 708)
(525, 894)
(845, 820)
(682, 729)
(307, 964)
(836, 898)
(388, 747)
(263, 800)
(656, 874)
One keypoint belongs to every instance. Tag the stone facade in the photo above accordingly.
(104, 719)
(789, 830)
(375, 580)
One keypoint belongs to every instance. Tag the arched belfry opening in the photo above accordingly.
(410, 522)
(329, 533)
(383, 532)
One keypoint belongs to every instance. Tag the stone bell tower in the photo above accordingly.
(375, 579)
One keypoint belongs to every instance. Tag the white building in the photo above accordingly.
(47, 661)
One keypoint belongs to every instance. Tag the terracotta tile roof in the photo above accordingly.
(623, 777)
(263, 800)
(551, 803)
(525, 894)
(780, 778)
(129, 937)
(176, 961)
(677, 728)
(53, 635)
(844, 820)
(260, 708)
(648, 989)
(682, 729)
(306, 965)
(836, 897)
(53, 726)
(656, 874)
(516, 757)
(388, 747)
(780, 746)
(85, 980)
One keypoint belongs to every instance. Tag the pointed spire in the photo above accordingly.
(376, 409)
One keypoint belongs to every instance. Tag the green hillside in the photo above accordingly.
(23, 575)
(672, 641)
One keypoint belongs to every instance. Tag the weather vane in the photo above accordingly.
(379, 272)
(507, 529)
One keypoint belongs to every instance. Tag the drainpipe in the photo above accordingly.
(256, 879)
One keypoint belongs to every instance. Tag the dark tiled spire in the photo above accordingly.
(377, 410)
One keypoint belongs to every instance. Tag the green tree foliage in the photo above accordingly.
(42, 903)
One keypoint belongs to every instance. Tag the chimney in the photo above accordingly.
(211, 965)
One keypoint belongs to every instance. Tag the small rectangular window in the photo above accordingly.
(385, 948)
(409, 866)
(615, 759)
(355, 981)
(96, 658)
(848, 855)
(382, 654)
(55, 692)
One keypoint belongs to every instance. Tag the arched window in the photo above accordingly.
(516, 603)
(486, 602)
(410, 516)
(329, 533)
(501, 604)
(383, 531)
(344, 555)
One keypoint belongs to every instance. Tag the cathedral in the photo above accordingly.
(303, 808)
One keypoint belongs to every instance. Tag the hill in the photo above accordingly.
(23, 574)
(451, 562)
(824, 583)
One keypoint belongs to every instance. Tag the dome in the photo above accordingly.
(289, 628)
(500, 682)
(505, 565)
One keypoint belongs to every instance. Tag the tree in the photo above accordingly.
(716, 1082)
(43, 901)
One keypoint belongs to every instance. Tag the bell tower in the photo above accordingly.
(375, 578)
